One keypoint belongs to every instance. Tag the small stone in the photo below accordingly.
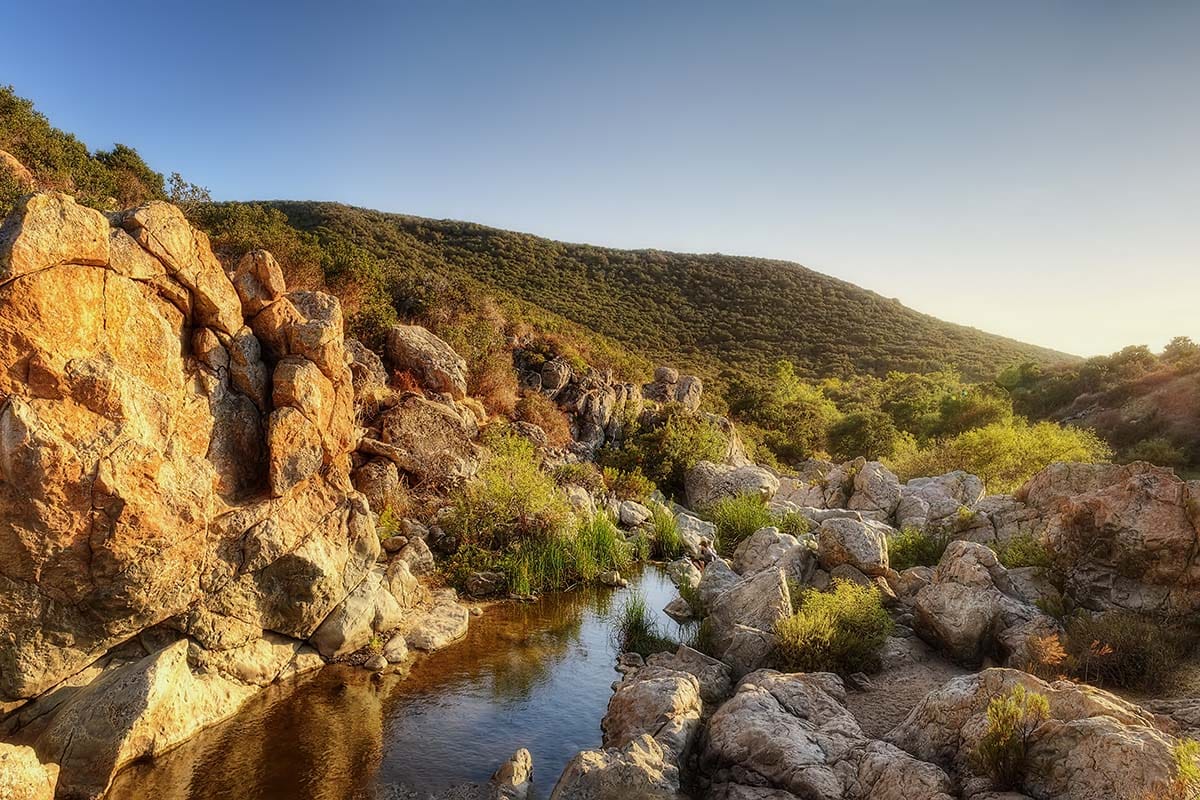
(394, 544)
(476, 611)
(376, 663)
(612, 578)
(859, 681)
(396, 650)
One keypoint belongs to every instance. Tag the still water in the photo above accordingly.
(533, 675)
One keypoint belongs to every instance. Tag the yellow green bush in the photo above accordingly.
(1003, 751)
(840, 630)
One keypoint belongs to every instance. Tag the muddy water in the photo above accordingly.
(531, 675)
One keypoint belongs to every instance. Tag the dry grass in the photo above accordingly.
(537, 409)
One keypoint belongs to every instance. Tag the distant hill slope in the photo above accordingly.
(706, 312)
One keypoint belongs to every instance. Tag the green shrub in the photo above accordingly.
(1023, 551)
(668, 448)
(375, 645)
(913, 547)
(1127, 650)
(794, 523)
(628, 484)
(1187, 770)
(1157, 450)
(668, 543)
(510, 499)
(836, 631)
(1004, 454)
(636, 630)
(1003, 750)
(388, 525)
(736, 518)
(579, 473)
(870, 434)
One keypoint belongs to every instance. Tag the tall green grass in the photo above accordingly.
(736, 518)
(668, 543)
(637, 632)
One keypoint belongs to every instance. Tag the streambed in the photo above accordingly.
(534, 675)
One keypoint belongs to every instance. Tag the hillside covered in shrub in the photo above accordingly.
(708, 313)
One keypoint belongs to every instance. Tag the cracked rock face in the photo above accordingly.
(1126, 536)
(143, 473)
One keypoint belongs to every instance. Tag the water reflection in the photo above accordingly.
(527, 675)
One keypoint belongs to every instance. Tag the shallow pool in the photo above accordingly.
(533, 675)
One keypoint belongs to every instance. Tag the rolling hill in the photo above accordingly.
(710, 313)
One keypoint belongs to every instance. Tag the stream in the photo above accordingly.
(535, 675)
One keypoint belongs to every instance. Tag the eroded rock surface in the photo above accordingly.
(175, 449)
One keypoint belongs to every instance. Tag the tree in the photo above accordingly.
(870, 434)
(1181, 351)
(183, 193)
(972, 408)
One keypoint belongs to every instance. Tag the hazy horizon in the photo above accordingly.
(1028, 170)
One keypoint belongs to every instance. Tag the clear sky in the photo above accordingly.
(1029, 168)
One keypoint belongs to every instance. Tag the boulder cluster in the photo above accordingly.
(728, 725)
(179, 519)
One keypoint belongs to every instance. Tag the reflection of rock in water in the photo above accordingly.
(530, 675)
(321, 740)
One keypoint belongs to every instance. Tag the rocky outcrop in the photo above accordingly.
(1124, 536)
(791, 733)
(429, 359)
(175, 451)
(1094, 745)
(639, 770)
(430, 441)
(662, 702)
(669, 387)
(971, 609)
(707, 482)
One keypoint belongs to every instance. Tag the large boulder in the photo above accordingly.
(692, 529)
(707, 482)
(714, 676)
(428, 440)
(145, 708)
(1094, 745)
(768, 547)
(1124, 536)
(792, 734)
(50, 230)
(163, 231)
(662, 702)
(942, 497)
(639, 770)
(144, 491)
(876, 491)
(258, 280)
(861, 544)
(969, 605)
(430, 360)
(742, 618)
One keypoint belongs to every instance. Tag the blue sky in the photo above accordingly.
(1029, 168)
